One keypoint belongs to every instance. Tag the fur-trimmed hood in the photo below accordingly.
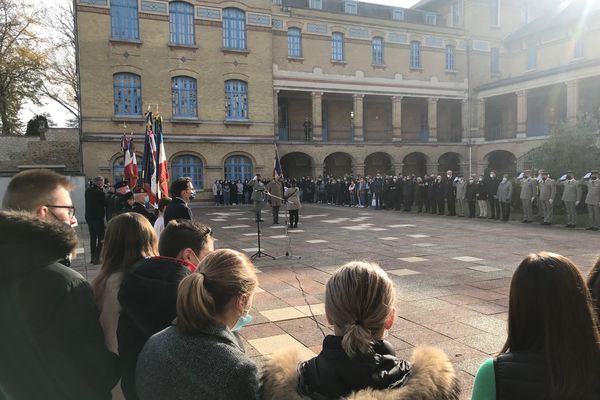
(28, 243)
(432, 377)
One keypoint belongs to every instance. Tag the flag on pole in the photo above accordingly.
(130, 164)
(149, 162)
(277, 171)
(161, 160)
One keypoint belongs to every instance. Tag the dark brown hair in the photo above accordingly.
(179, 185)
(550, 312)
(203, 296)
(593, 283)
(129, 238)
(181, 234)
(30, 189)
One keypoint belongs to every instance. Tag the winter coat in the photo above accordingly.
(292, 195)
(432, 377)
(51, 343)
(275, 188)
(95, 204)
(461, 190)
(209, 365)
(177, 209)
(147, 296)
(504, 193)
(482, 192)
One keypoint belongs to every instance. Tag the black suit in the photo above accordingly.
(177, 209)
(95, 204)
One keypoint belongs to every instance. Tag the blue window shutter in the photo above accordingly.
(127, 94)
(294, 42)
(234, 29)
(415, 54)
(184, 97)
(188, 166)
(181, 23)
(377, 51)
(236, 100)
(124, 19)
(337, 46)
(238, 167)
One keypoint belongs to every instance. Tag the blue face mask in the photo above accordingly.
(243, 321)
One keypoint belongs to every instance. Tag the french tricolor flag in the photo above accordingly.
(161, 160)
(277, 171)
(130, 164)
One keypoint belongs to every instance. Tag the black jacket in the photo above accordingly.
(332, 374)
(51, 343)
(95, 203)
(148, 296)
(141, 209)
(491, 184)
(177, 209)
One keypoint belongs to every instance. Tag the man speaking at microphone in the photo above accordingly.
(258, 196)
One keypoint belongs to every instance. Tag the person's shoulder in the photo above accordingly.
(60, 272)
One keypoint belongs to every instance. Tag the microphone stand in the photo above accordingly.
(288, 249)
(259, 253)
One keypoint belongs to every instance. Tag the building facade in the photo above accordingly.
(341, 86)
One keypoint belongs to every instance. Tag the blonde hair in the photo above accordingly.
(203, 296)
(129, 238)
(359, 298)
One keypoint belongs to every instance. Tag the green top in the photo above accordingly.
(484, 387)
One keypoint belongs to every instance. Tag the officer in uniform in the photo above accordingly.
(547, 194)
(527, 195)
(570, 197)
(592, 200)
(258, 196)
(275, 188)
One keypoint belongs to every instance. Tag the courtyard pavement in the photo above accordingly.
(452, 274)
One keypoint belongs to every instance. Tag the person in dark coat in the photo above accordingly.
(492, 184)
(183, 192)
(398, 194)
(482, 197)
(438, 189)
(140, 199)
(149, 292)
(420, 193)
(449, 190)
(431, 195)
(471, 196)
(95, 207)
(51, 342)
(118, 202)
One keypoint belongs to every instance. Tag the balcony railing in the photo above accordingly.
(500, 132)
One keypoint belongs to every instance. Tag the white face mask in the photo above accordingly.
(504, 179)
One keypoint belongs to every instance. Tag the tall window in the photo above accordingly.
(124, 19)
(238, 167)
(495, 60)
(127, 94)
(450, 58)
(398, 14)
(188, 166)
(184, 97)
(415, 54)
(337, 46)
(294, 42)
(315, 4)
(234, 28)
(431, 19)
(495, 12)
(578, 49)
(456, 10)
(531, 57)
(378, 51)
(236, 99)
(181, 23)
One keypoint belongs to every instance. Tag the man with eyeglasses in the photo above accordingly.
(52, 335)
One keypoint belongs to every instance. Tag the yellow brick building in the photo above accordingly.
(341, 86)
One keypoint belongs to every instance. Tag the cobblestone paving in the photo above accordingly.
(452, 274)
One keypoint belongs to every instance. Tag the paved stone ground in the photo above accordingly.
(452, 274)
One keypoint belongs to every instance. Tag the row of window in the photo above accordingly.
(184, 97)
(337, 50)
(235, 168)
(125, 23)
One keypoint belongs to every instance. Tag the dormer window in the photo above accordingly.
(398, 14)
(431, 19)
(351, 7)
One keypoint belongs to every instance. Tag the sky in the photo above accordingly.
(59, 115)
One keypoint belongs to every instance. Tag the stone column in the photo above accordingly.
(481, 118)
(317, 116)
(358, 118)
(572, 101)
(432, 118)
(358, 169)
(396, 118)
(398, 166)
(317, 170)
(522, 114)
(464, 119)
(433, 168)
(276, 113)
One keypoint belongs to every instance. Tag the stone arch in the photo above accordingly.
(338, 164)
(415, 163)
(502, 161)
(449, 161)
(378, 162)
(297, 165)
(239, 153)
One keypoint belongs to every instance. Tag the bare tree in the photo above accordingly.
(61, 83)
(22, 64)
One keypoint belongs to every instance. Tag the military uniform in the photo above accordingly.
(571, 195)
(592, 200)
(274, 187)
(547, 195)
(528, 192)
(258, 196)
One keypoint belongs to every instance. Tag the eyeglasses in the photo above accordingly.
(71, 209)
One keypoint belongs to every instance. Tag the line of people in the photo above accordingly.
(454, 194)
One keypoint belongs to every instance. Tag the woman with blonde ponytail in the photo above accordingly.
(356, 362)
(201, 355)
